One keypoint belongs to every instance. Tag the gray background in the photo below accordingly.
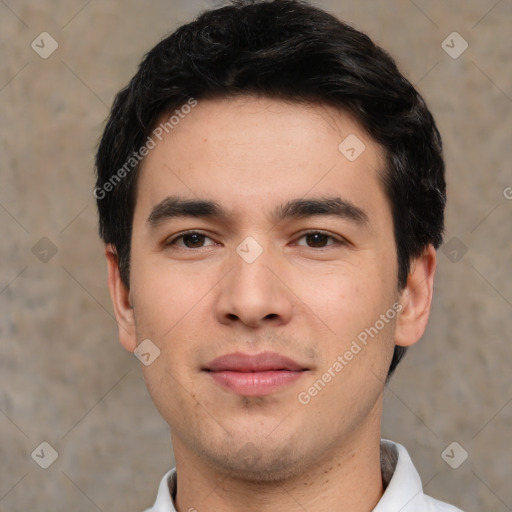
(64, 378)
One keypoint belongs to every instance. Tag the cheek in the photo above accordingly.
(172, 310)
(348, 298)
(164, 294)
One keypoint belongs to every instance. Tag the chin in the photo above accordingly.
(258, 463)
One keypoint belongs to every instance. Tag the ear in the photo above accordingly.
(120, 295)
(416, 299)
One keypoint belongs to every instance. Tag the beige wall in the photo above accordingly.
(65, 379)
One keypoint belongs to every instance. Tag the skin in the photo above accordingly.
(304, 297)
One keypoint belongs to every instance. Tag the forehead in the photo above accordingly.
(249, 152)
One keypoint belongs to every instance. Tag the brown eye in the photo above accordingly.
(191, 240)
(318, 240)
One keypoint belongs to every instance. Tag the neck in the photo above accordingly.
(348, 478)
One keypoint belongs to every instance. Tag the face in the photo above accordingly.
(264, 268)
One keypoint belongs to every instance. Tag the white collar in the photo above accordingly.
(404, 491)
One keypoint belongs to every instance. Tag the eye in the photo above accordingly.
(189, 240)
(318, 239)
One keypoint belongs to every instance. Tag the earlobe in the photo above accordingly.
(121, 299)
(416, 299)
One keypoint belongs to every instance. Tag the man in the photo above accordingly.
(271, 194)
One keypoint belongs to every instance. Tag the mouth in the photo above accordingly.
(254, 375)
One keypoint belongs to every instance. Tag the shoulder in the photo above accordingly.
(404, 489)
(164, 501)
(433, 505)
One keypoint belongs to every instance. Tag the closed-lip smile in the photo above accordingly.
(254, 375)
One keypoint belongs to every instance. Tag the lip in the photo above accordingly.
(254, 375)
(264, 361)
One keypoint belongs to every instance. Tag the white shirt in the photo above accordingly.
(404, 492)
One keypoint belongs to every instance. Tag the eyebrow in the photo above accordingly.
(334, 206)
(176, 207)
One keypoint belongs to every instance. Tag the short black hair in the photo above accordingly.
(292, 51)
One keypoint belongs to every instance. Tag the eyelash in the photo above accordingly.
(337, 241)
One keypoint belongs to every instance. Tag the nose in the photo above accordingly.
(254, 294)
